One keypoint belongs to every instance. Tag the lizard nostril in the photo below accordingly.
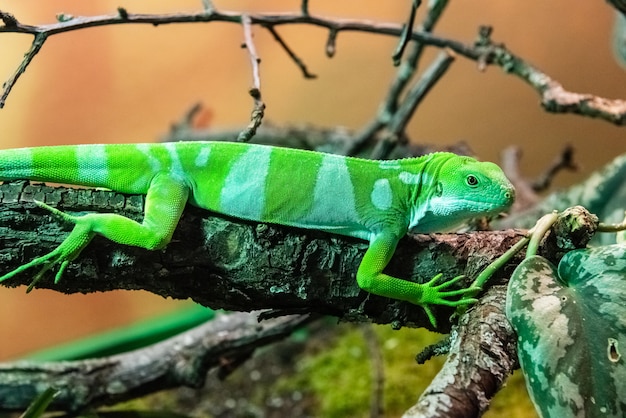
(509, 194)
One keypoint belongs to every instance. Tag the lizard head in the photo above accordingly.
(462, 188)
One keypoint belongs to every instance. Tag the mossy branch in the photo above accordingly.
(231, 264)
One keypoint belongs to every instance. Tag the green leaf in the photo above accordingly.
(571, 326)
(40, 404)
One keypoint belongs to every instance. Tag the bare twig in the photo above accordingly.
(249, 45)
(554, 97)
(405, 35)
(38, 42)
(304, 8)
(435, 9)
(415, 95)
(291, 53)
(208, 5)
(331, 43)
(525, 196)
(563, 161)
(404, 74)
(258, 109)
(8, 19)
(527, 191)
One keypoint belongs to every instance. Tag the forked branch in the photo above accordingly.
(554, 97)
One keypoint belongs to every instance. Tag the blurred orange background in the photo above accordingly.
(128, 83)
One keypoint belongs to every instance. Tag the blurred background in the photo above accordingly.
(129, 83)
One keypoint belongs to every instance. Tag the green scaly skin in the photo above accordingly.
(377, 201)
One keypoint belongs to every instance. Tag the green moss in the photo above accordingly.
(337, 374)
(337, 377)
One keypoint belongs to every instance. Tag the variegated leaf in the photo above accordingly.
(571, 327)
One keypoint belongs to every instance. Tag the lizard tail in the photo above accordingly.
(116, 167)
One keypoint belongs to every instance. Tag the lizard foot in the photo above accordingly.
(66, 252)
(435, 294)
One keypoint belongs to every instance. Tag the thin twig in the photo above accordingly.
(405, 36)
(185, 125)
(563, 161)
(435, 9)
(35, 47)
(554, 97)
(258, 110)
(331, 43)
(208, 6)
(404, 74)
(525, 196)
(8, 19)
(415, 95)
(291, 53)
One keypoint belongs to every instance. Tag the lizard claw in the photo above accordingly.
(62, 255)
(47, 262)
(431, 316)
(435, 294)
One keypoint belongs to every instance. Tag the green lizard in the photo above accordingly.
(377, 201)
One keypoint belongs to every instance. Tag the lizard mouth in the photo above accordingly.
(500, 203)
(483, 205)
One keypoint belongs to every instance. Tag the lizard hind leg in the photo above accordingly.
(165, 201)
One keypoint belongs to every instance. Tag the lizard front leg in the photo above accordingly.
(371, 278)
(165, 201)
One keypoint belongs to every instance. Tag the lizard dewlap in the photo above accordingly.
(377, 201)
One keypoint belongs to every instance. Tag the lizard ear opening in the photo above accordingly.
(438, 189)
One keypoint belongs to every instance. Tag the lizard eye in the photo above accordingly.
(471, 180)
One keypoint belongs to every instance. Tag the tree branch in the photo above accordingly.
(235, 265)
(554, 97)
(406, 34)
(294, 57)
(483, 355)
(258, 110)
(406, 71)
(183, 360)
(403, 114)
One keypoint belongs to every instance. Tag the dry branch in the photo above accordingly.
(183, 360)
(554, 97)
(483, 355)
(258, 110)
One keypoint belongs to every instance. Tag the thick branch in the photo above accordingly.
(183, 360)
(235, 265)
(482, 356)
